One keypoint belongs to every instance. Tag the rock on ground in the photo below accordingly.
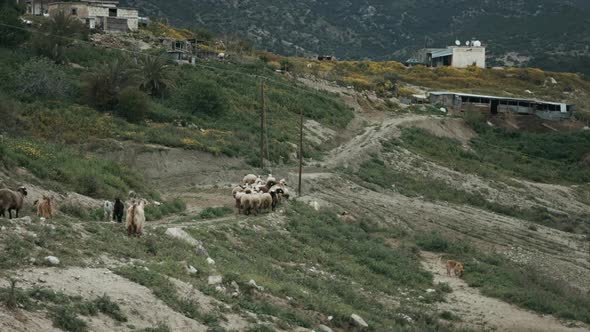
(52, 260)
(358, 321)
(215, 280)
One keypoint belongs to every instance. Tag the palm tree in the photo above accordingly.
(103, 84)
(59, 32)
(155, 75)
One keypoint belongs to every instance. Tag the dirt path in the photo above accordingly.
(482, 312)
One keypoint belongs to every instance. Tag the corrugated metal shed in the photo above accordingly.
(442, 93)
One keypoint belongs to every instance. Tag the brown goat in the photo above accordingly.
(45, 208)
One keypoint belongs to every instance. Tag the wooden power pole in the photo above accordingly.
(300, 152)
(262, 126)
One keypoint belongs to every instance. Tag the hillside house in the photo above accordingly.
(494, 105)
(35, 7)
(100, 15)
(453, 56)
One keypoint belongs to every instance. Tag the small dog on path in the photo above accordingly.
(457, 268)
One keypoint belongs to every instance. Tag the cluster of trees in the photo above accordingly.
(126, 84)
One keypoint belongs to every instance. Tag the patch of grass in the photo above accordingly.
(65, 168)
(321, 264)
(16, 251)
(159, 328)
(12, 296)
(447, 315)
(165, 290)
(378, 172)
(105, 305)
(65, 318)
(540, 157)
(523, 285)
(215, 212)
(155, 212)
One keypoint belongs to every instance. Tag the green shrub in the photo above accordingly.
(159, 328)
(41, 78)
(105, 305)
(65, 318)
(104, 83)
(133, 105)
(201, 97)
(215, 212)
(155, 212)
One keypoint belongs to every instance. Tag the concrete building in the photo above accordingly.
(35, 7)
(494, 105)
(101, 15)
(454, 56)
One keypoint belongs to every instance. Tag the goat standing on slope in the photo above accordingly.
(135, 218)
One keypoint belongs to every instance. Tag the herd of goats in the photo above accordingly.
(253, 196)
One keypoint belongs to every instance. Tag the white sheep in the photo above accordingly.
(135, 218)
(238, 198)
(249, 179)
(12, 200)
(237, 189)
(246, 203)
(266, 201)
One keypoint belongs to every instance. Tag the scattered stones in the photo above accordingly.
(210, 261)
(41, 280)
(330, 318)
(215, 280)
(430, 290)
(358, 321)
(32, 260)
(24, 220)
(52, 260)
(3, 228)
(191, 270)
(220, 289)
(179, 233)
(324, 328)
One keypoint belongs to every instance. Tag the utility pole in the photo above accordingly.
(262, 125)
(300, 152)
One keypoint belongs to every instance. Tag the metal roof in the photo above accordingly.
(438, 53)
(441, 93)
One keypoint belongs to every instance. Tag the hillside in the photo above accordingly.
(390, 192)
(516, 32)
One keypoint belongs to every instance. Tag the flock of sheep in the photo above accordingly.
(256, 195)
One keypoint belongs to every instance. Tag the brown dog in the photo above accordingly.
(457, 267)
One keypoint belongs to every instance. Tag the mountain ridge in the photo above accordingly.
(515, 32)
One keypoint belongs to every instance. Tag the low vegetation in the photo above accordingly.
(520, 284)
(539, 157)
(378, 172)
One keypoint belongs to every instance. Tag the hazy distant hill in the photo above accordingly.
(553, 34)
